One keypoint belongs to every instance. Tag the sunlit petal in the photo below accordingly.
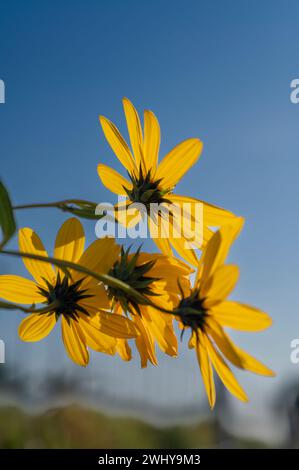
(36, 326)
(29, 242)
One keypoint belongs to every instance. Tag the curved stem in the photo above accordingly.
(36, 206)
(79, 207)
(12, 306)
(58, 204)
(104, 278)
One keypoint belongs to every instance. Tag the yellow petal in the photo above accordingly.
(74, 341)
(234, 354)
(19, 289)
(217, 217)
(178, 161)
(29, 242)
(188, 221)
(145, 343)
(117, 326)
(208, 261)
(240, 316)
(218, 247)
(127, 214)
(178, 244)
(223, 342)
(224, 372)
(197, 216)
(207, 235)
(206, 370)
(169, 270)
(70, 239)
(100, 255)
(135, 131)
(124, 350)
(213, 216)
(95, 338)
(151, 141)
(218, 287)
(98, 297)
(164, 265)
(181, 246)
(163, 245)
(161, 328)
(36, 326)
(118, 144)
(252, 364)
(192, 341)
(113, 181)
(159, 236)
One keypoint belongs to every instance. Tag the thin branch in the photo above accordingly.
(12, 306)
(104, 278)
(79, 207)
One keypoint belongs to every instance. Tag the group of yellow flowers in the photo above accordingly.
(149, 297)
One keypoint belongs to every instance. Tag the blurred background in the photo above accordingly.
(217, 70)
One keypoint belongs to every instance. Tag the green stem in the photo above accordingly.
(58, 204)
(12, 306)
(79, 207)
(36, 206)
(104, 278)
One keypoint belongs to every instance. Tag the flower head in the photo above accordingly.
(156, 277)
(205, 311)
(137, 276)
(152, 183)
(78, 301)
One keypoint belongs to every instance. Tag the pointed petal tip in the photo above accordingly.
(272, 373)
(268, 372)
(240, 221)
(152, 114)
(196, 139)
(103, 120)
(242, 396)
(127, 103)
(198, 143)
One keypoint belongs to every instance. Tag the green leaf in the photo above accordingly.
(7, 220)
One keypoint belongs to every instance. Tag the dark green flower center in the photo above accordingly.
(192, 312)
(65, 295)
(146, 190)
(126, 270)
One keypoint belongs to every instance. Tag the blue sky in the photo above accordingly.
(218, 70)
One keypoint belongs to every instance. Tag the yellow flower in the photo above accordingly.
(206, 311)
(156, 277)
(151, 182)
(79, 300)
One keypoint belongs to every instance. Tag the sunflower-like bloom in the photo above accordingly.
(206, 311)
(156, 277)
(79, 301)
(152, 183)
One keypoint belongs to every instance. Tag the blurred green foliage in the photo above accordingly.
(77, 427)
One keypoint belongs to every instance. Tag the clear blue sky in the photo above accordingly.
(219, 70)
